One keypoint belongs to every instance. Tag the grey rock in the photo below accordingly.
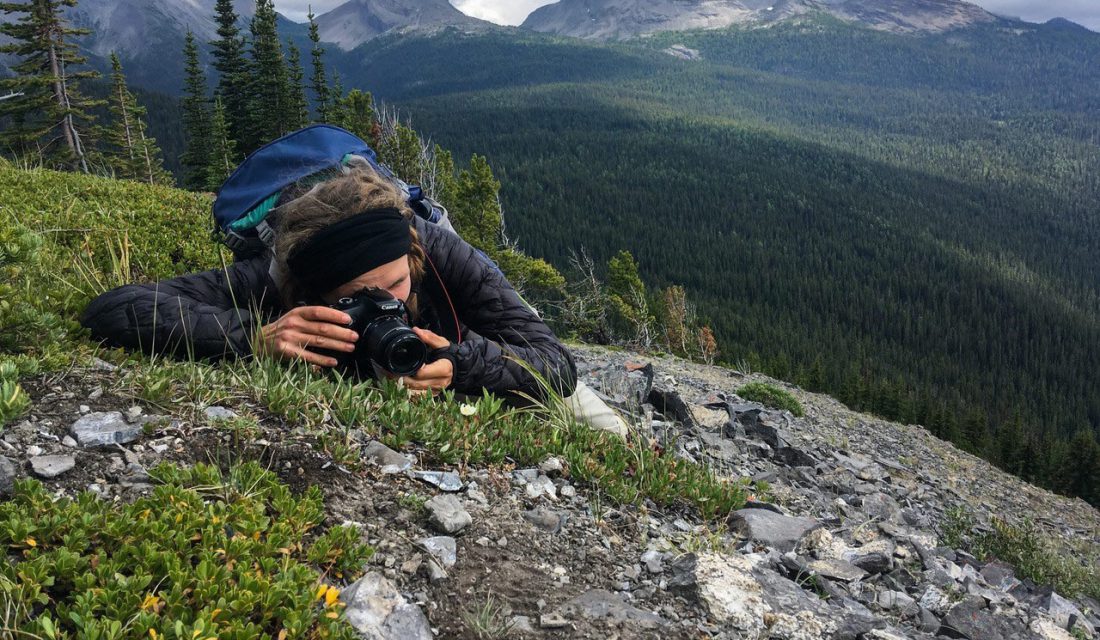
(927, 621)
(389, 460)
(541, 486)
(670, 404)
(51, 466)
(524, 476)
(792, 457)
(214, 414)
(447, 514)
(68, 441)
(443, 548)
(545, 519)
(377, 611)
(444, 480)
(8, 473)
(771, 529)
(682, 572)
(1063, 612)
(104, 429)
(837, 569)
(882, 506)
(552, 467)
(896, 601)
(935, 600)
(1000, 575)
(601, 605)
(874, 562)
(971, 619)
(653, 561)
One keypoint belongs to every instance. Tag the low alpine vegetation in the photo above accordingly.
(1034, 554)
(206, 555)
(771, 396)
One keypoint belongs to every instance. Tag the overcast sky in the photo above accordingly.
(1086, 12)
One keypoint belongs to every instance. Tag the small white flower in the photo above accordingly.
(468, 410)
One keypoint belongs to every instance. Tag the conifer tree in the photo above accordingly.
(132, 153)
(630, 313)
(297, 108)
(196, 119)
(269, 109)
(51, 118)
(476, 210)
(318, 79)
(232, 66)
(355, 112)
(223, 150)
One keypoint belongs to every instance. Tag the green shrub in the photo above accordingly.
(1035, 555)
(771, 396)
(206, 555)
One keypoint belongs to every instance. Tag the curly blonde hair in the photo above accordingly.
(352, 190)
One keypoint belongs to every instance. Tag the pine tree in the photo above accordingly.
(629, 312)
(269, 111)
(297, 108)
(132, 153)
(196, 120)
(476, 210)
(318, 80)
(337, 112)
(232, 66)
(51, 118)
(223, 151)
(355, 112)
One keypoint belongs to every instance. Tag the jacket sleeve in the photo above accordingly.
(503, 329)
(202, 315)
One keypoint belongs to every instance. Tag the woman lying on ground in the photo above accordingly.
(336, 239)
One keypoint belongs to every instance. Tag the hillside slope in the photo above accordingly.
(479, 519)
(901, 221)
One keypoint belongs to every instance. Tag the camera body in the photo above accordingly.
(385, 338)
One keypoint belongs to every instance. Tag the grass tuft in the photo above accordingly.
(771, 396)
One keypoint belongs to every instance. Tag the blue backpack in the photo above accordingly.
(251, 193)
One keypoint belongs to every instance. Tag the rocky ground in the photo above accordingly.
(842, 542)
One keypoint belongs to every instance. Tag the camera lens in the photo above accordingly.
(395, 347)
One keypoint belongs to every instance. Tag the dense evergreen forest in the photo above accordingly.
(908, 223)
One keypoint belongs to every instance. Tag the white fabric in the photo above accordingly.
(590, 409)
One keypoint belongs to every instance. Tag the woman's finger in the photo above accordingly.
(430, 339)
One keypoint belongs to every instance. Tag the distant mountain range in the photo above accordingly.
(355, 22)
(620, 19)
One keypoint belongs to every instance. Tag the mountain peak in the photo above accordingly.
(354, 22)
(620, 19)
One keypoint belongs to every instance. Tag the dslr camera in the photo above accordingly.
(385, 338)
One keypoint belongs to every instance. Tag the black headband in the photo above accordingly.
(346, 250)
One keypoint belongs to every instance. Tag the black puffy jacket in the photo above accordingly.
(215, 314)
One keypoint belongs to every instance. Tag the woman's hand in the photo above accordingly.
(434, 376)
(290, 336)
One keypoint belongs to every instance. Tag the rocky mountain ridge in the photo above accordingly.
(845, 538)
(357, 21)
(622, 19)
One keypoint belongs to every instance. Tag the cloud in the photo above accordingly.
(511, 12)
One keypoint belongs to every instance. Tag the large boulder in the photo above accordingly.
(771, 529)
